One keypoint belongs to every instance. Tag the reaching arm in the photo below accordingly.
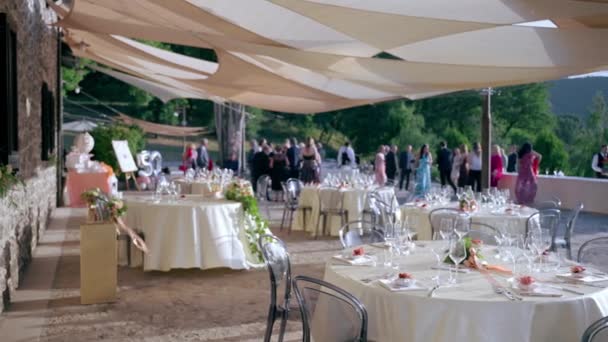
(594, 164)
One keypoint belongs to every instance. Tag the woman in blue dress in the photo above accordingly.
(423, 172)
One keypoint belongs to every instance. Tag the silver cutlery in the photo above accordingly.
(432, 291)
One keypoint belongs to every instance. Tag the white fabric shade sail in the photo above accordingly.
(307, 56)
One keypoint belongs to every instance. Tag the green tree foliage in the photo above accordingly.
(104, 135)
(553, 151)
(525, 107)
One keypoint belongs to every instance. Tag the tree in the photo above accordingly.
(552, 149)
(104, 135)
(524, 106)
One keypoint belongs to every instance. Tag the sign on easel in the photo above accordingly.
(125, 161)
(124, 156)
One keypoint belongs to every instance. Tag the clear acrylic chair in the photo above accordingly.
(357, 233)
(277, 261)
(553, 203)
(436, 215)
(329, 313)
(545, 218)
(291, 189)
(262, 192)
(483, 232)
(331, 202)
(597, 331)
(566, 241)
(594, 252)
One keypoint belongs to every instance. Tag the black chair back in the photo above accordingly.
(342, 317)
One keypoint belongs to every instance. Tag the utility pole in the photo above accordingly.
(486, 137)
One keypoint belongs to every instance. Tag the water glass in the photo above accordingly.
(457, 253)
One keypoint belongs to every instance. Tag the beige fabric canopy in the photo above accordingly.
(308, 56)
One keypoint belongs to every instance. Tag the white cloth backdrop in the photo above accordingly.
(190, 233)
(418, 217)
(470, 311)
(354, 202)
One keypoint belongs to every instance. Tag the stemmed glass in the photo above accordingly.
(461, 226)
(446, 228)
(457, 253)
(540, 240)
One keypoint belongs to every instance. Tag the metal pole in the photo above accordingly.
(486, 137)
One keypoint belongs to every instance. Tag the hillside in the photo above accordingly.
(573, 96)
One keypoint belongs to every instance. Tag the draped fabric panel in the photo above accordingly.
(309, 56)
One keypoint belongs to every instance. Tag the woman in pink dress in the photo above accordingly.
(380, 166)
(525, 187)
(496, 165)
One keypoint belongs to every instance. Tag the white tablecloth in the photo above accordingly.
(354, 202)
(193, 232)
(470, 312)
(194, 187)
(418, 217)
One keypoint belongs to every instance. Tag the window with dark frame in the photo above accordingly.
(9, 111)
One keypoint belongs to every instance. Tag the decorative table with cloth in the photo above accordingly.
(468, 311)
(77, 183)
(418, 216)
(354, 202)
(190, 232)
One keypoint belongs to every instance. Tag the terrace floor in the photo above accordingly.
(181, 305)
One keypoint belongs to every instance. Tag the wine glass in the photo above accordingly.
(461, 226)
(446, 228)
(438, 248)
(457, 253)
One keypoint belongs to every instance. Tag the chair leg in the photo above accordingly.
(291, 211)
(283, 217)
(304, 213)
(269, 324)
(284, 317)
(317, 228)
(325, 223)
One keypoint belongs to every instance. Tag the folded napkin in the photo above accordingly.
(585, 277)
(390, 285)
(538, 291)
(364, 260)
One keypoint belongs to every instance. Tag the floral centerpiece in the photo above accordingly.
(240, 191)
(468, 205)
(105, 208)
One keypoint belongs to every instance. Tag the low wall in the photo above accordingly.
(571, 190)
(24, 214)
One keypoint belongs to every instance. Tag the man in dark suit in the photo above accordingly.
(444, 163)
(260, 166)
(512, 159)
(391, 164)
(406, 164)
(202, 156)
(293, 155)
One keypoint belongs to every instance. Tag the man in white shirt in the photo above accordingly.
(346, 156)
(599, 164)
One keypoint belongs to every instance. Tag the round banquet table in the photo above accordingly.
(469, 311)
(354, 202)
(190, 232)
(194, 187)
(419, 217)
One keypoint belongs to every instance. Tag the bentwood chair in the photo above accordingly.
(332, 306)
(331, 202)
(292, 188)
(276, 258)
(357, 233)
(545, 218)
(566, 241)
(597, 331)
(594, 252)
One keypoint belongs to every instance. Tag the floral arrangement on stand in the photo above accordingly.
(105, 208)
(241, 191)
(7, 179)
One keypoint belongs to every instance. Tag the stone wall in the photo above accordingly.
(25, 210)
(24, 214)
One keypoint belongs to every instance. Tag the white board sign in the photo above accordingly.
(124, 156)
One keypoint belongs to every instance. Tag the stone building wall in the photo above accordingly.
(24, 211)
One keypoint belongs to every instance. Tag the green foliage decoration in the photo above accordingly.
(104, 135)
(7, 180)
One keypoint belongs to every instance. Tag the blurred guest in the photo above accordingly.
(380, 166)
(346, 155)
(599, 163)
(232, 163)
(202, 158)
(526, 186)
(456, 161)
(444, 164)
(505, 159)
(423, 171)
(475, 167)
(261, 165)
(406, 163)
(512, 159)
(496, 165)
(391, 164)
(189, 158)
(464, 167)
(254, 148)
(321, 151)
(310, 162)
(293, 156)
(278, 170)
